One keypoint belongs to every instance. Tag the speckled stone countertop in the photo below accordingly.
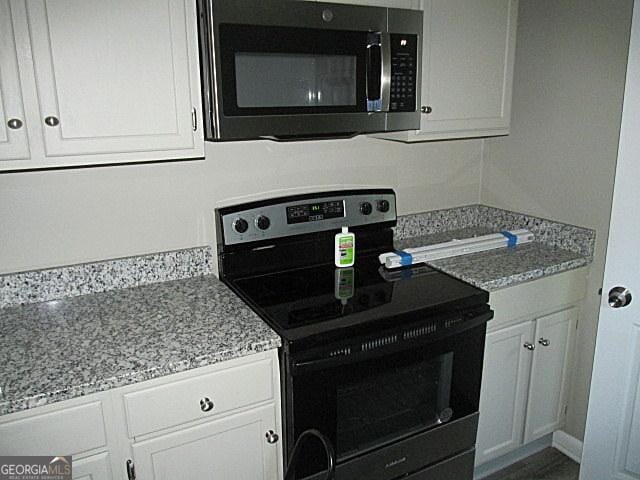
(557, 246)
(60, 349)
(502, 267)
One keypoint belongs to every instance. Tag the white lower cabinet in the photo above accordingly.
(95, 467)
(236, 447)
(553, 341)
(503, 397)
(216, 422)
(524, 382)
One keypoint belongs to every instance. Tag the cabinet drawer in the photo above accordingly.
(540, 297)
(64, 432)
(197, 398)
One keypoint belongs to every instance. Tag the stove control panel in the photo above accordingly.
(301, 214)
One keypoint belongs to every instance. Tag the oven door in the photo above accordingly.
(400, 403)
(279, 72)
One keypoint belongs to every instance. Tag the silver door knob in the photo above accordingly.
(619, 297)
(529, 346)
(271, 436)
(52, 121)
(206, 404)
(14, 123)
(545, 342)
(426, 109)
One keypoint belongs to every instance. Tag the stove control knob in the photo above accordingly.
(366, 208)
(263, 222)
(240, 225)
(383, 206)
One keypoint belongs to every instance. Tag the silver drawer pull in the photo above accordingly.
(14, 123)
(544, 342)
(206, 404)
(51, 121)
(529, 346)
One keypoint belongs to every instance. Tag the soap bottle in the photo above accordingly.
(345, 248)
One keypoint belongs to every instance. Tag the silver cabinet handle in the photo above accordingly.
(529, 346)
(271, 436)
(52, 121)
(131, 470)
(206, 404)
(14, 123)
(426, 109)
(545, 342)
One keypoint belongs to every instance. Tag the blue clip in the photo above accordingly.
(374, 105)
(512, 239)
(405, 258)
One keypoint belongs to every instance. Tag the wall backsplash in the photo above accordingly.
(94, 277)
(67, 217)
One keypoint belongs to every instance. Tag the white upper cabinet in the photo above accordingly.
(468, 54)
(114, 81)
(14, 144)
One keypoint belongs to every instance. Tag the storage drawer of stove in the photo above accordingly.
(459, 467)
(413, 453)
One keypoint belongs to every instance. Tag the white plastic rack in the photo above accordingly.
(456, 247)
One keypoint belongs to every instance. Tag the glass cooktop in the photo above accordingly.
(315, 300)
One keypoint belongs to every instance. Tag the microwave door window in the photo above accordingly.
(276, 80)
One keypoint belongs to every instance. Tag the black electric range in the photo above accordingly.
(384, 364)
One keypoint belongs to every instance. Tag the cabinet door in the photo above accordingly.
(467, 72)
(234, 447)
(116, 79)
(505, 378)
(95, 467)
(548, 389)
(13, 132)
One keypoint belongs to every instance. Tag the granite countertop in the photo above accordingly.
(502, 267)
(60, 349)
(79, 329)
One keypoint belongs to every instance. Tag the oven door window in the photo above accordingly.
(284, 70)
(375, 408)
(373, 403)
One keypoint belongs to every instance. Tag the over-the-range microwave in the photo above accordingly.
(285, 69)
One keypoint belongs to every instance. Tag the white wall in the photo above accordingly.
(63, 217)
(559, 160)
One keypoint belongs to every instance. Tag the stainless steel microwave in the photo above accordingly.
(285, 69)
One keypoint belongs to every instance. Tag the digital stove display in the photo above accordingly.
(313, 212)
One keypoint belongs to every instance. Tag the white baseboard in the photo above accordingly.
(570, 446)
(520, 453)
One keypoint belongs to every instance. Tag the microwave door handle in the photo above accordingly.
(385, 73)
(374, 74)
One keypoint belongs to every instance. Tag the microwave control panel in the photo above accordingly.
(404, 60)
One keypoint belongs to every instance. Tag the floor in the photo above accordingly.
(549, 464)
